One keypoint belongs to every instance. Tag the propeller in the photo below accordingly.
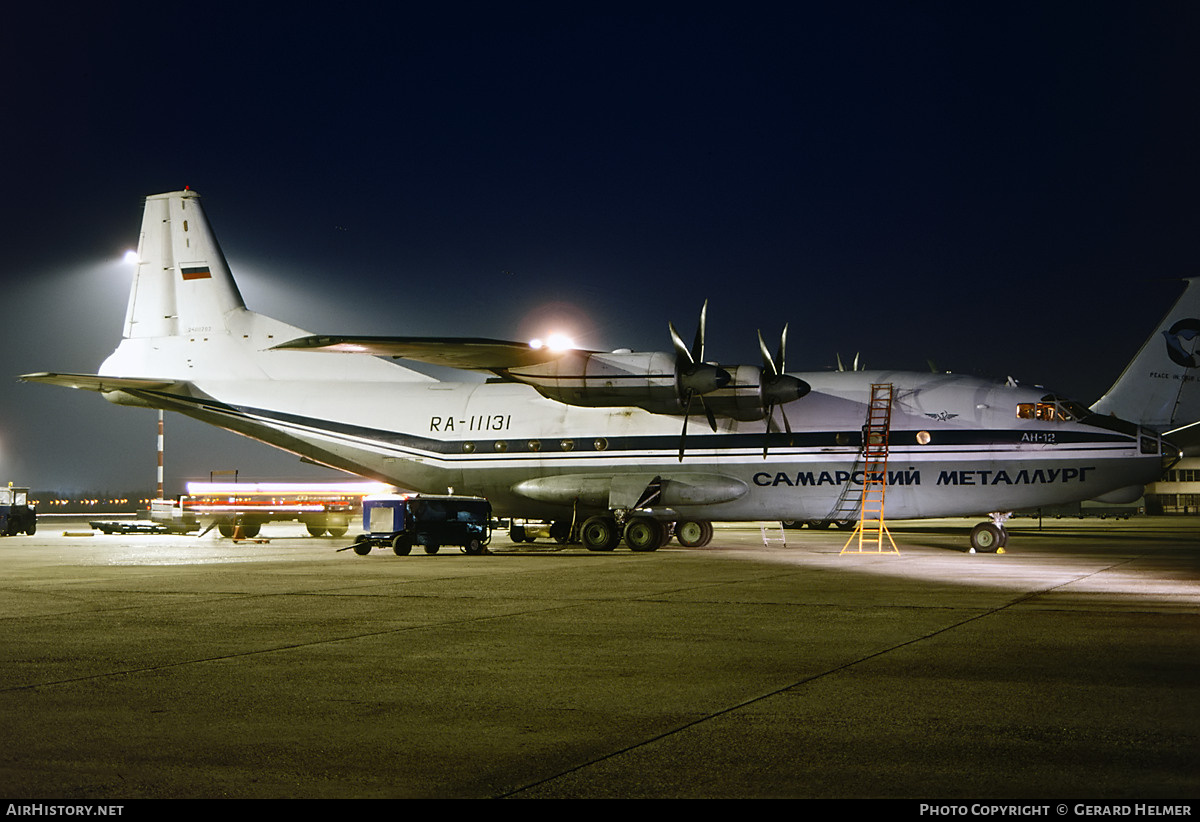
(777, 387)
(853, 367)
(693, 376)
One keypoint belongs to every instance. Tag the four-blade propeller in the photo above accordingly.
(694, 377)
(777, 387)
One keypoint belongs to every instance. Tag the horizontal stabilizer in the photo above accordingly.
(97, 382)
(470, 353)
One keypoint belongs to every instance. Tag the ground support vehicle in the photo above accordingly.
(431, 521)
(132, 526)
(239, 510)
(166, 517)
(16, 514)
(531, 530)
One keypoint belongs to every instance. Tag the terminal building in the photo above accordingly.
(1178, 492)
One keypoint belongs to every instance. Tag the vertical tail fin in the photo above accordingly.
(186, 319)
(1160, 388)
(182, 282)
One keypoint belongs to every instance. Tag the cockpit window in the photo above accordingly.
(1051, 409)
(1037, 411)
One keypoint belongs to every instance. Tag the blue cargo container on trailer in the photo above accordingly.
(401, 521)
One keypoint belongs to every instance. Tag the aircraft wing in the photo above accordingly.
(470, 353)
(96, 382)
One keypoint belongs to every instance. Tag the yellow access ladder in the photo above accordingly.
(871, 527)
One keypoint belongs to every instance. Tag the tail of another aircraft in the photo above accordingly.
(1160, 388)
(186, 319)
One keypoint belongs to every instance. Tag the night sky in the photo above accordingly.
(1006, 189)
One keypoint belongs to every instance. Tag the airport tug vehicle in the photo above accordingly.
(400, 521)
(16, 514)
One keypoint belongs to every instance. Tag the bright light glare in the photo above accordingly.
(131, 256)
(555, 342)
(560, 342)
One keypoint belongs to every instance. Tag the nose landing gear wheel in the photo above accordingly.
(988, 537)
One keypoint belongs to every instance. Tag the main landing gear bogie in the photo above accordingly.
(642, 533)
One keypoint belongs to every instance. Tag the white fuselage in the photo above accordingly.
(957, 445)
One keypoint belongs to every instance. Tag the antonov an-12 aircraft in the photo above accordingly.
(604, 444)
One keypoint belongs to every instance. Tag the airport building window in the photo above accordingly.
(1178, 503)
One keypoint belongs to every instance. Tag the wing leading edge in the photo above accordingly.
(469, 353)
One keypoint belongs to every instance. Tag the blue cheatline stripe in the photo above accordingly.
(962, 441)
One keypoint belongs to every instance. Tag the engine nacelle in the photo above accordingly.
(750, 392)
(592, 380)
(648, 380)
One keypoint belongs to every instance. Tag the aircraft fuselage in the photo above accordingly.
(958, 445)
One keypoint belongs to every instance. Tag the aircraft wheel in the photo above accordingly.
(361, 546)
(820, 524)
(846, 524)
(988, 537)
(250, 529)
(432, 548)
(644, 534)
(560, 531)
(337, 530)
(401, 545)
(225, 530)
(600, 533)
(517, 533)
(316, 530)
(693, 533)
